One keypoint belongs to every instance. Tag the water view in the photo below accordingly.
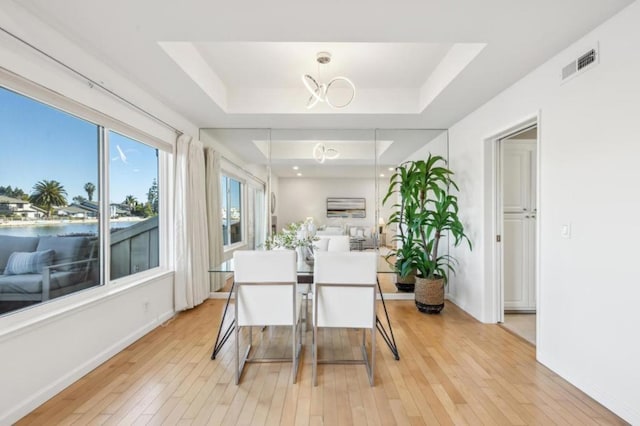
(64, 228)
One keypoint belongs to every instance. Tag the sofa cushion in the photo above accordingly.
(32, 283)
(67, 249)
(28, 263)
(10, 244)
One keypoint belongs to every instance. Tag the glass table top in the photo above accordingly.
(384, 267)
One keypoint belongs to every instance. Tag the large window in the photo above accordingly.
(232, 226)
(133, 206)
(53, 220)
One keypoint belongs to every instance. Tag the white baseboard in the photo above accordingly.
(219, 295)
(74, 375)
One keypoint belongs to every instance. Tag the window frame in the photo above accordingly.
(243, 202)
(105, 123)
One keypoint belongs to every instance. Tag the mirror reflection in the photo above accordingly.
(325, 184)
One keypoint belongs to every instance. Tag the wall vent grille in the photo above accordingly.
(587, 59)
(582, 63)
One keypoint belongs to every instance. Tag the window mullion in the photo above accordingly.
(104, 206)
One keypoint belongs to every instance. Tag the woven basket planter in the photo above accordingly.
(407, 283)
(429, 295)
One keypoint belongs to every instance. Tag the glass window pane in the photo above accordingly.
(225, 217)
(232, 226)
(48, 202)
(235, 211)
(133, 200)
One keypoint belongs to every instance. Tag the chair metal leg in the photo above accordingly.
(373, 355)
(237, 335)
(314, 342)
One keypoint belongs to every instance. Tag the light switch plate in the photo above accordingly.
(565, 230)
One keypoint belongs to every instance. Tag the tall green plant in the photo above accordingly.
(426, 212)
(437, 216)
(401, 186)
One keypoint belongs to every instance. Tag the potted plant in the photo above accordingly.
(436, 215)
(401, 186)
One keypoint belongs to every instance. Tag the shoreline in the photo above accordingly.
(45, 222)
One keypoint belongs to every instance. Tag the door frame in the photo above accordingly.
(495, 217)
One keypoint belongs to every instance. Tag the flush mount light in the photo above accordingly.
(320, 91)
(391, 169)
(321, 153)
(298, 174)
(295, 167)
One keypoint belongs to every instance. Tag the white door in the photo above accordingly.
(519, 212)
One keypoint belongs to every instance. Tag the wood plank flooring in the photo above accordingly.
(453, 370)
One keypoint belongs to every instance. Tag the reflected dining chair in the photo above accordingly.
(344, 296)
(339, 243)
(266, 293)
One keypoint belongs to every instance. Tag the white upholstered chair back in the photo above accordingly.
(265, 280)
(344, 285)
(339, 243)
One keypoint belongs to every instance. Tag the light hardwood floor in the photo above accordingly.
(453, 370)
(523, 325)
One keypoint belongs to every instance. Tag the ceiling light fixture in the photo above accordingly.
(320, 91)
(321, 153)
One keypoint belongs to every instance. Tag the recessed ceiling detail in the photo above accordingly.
(263, 77)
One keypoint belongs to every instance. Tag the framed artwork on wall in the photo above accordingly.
(343, 207)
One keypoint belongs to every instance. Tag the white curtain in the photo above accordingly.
(214, 215)
(190, 226)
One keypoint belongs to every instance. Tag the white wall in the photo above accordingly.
(300, 198)
(38, 361)
(45, 348)
(589, 176)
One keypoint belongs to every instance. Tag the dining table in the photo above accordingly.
(305, 285)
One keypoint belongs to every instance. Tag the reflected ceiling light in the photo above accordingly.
(298, 174)
(320, 91)
(321, 153)
(295, 167)
(381, 174)
(391, 169)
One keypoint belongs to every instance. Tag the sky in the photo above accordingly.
(38, 142)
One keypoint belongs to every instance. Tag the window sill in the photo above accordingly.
(27, 319)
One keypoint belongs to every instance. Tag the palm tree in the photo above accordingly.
(48, 193)
(90, 188)
(130, 201)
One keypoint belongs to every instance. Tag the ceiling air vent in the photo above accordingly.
(580, 64)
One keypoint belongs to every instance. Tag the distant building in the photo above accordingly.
(10, 206)
(74, 211)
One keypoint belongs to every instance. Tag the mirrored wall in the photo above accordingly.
(335, 179)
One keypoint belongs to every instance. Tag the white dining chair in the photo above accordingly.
(266, 293)
(339, 243)
(344, 296)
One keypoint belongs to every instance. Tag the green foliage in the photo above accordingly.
(131, 202)
(426, 213)
(48, 193)
(90, 188)
(14, 193)
(152, 196)
(290, 238)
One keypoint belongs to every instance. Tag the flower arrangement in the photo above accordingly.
(296, 234)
